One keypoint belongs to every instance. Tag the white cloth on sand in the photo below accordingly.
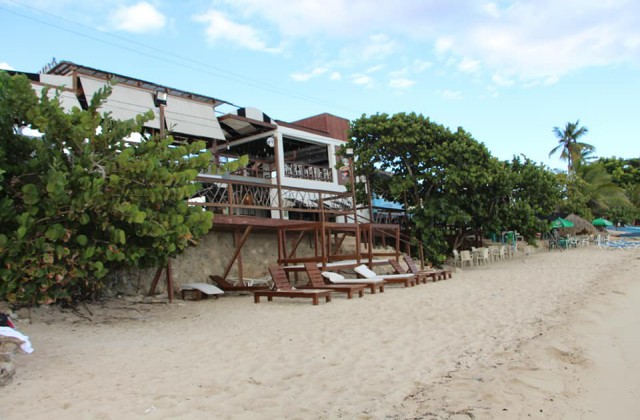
(10, 332)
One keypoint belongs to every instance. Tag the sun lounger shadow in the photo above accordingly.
(316, 281)
(282, 288)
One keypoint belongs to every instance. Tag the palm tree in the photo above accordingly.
(572, 150)
(599, 190)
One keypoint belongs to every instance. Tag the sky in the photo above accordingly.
(506, 71)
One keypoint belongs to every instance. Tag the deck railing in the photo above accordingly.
(251, 196)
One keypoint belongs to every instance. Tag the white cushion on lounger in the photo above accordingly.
(369, 274)
(364, 271)
(337, 278)
(333, 277)
(205, 288)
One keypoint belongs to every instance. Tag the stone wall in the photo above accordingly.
(211, 256)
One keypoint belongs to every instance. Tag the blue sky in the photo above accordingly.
(506, 71)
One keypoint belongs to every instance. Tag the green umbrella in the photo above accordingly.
(601, 222)
(561, 223)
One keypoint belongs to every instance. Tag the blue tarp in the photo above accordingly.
(384, 204)
(629, 231)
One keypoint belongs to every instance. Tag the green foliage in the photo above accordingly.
(449, 180)
(627, 215)
(574, 197)
(590, 192)
(535, 193)
(625, 173)
(81, 201)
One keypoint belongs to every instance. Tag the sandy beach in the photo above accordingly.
(547, 335)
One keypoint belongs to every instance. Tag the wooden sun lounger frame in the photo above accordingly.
(436, 274)
(316, 281)
(282, 288)
(372, 285)
(420, 277)
(228, 287)
(407, 281)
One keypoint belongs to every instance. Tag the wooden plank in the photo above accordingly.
(237, 251)
(295, 245)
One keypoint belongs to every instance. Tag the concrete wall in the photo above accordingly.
(211, 256)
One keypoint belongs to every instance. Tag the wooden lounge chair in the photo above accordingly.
(434, 273)
(335, 278)
(406, 279)
(420, 277)
(282, 288)
(316, 281)
(198, 290)
(229, 287)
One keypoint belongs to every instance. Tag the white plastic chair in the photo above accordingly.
(503, 253)
(456, 258)
(483, 255)
(465, 256)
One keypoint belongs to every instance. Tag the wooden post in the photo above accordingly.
(169, 280)
(236, 239)
(169, 273)
(239, 246)
(279, 172)
(161, 106)
(370, 196)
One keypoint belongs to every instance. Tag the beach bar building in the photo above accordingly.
(294, 187)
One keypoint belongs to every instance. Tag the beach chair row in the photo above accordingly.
(322, 284)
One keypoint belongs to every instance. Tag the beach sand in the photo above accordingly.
(548, 335)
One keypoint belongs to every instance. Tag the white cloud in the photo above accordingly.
(6, 66)
(443, 45)
(450, 94)
(491, 9)
(374, 69)
(546, 40)
(221, 29)
(328, 18)
(401, 83)
(303, 77)
(379, 46)
(400, 73)
(416, 67)
(362, 80)
(140, 18)
(335, 76)
(528, 39)
(502, 80)
(468, 66)
(420, 65)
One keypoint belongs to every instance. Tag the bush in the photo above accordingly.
(80, 200)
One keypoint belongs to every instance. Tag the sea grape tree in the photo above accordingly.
(81, 200)
(447, 180)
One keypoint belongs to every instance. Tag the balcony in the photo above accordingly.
(310, 172)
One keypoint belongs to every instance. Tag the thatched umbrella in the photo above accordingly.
(580, 226)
